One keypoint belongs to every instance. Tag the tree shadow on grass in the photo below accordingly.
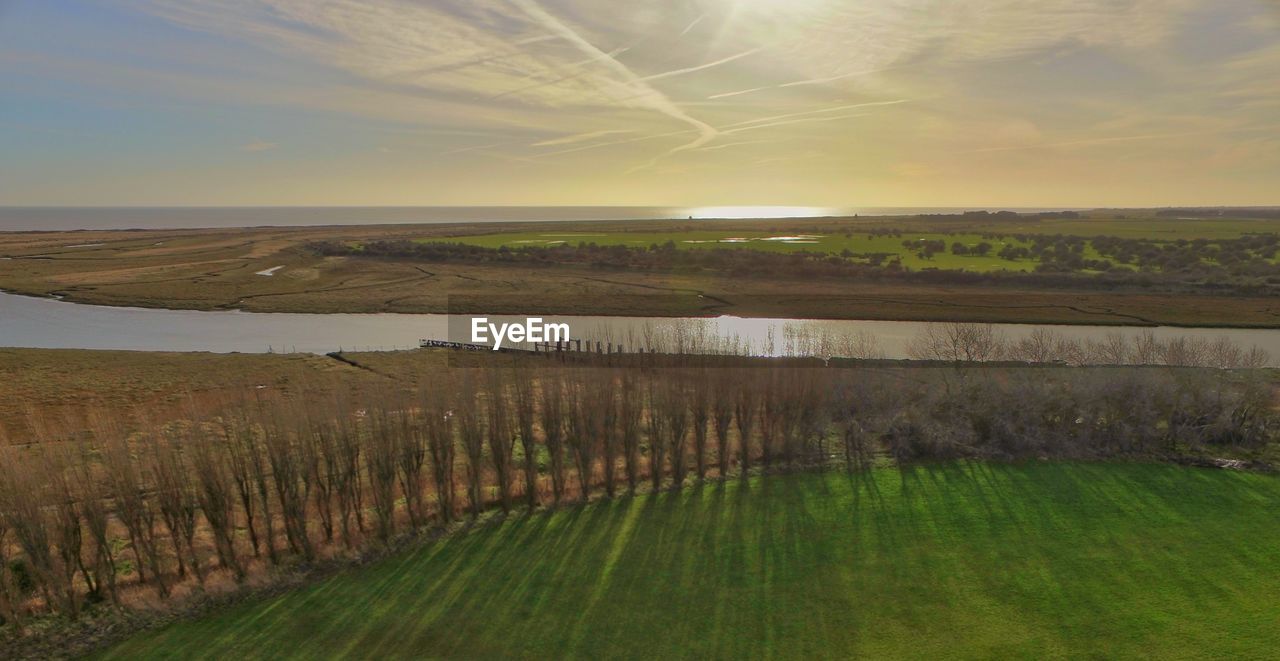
(798, 565)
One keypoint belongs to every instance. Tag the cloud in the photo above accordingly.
(605, 86)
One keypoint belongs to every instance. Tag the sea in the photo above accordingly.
(104, 218)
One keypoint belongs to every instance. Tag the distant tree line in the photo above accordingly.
(1000, 216)
(1221, 212)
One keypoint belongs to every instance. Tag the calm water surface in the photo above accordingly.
(101, 218)
(48, 323)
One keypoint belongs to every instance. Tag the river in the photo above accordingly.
(48, 323)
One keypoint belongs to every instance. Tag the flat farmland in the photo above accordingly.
(966, 560)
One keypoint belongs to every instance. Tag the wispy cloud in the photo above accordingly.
(602, 89)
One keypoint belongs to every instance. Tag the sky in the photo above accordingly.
(854, 103)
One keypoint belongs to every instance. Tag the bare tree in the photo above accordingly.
(380, 466)
(722, 400)
(745, 413)
(66, 533)
(700, 396)
(347, 459)
(287, 477)
(217, 499)
(1146, 348)
(411, 457)
(250, 479)
(1043, 345)
(956, 342)
(96, 508)
(656, 428)
(630, 414)
(472, 431)
(589, 400)
(320, 461)
(611, 432)
(674, 408)
(1110, 350)
(524, 400)
(772, 410)
(849, 404)
(134, 510)
(175, 498)
(552, 414)
(438, 421)
(502, 439)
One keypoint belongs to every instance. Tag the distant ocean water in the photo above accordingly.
(99, 218)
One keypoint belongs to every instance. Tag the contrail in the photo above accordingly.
(817, 112)
(579, 70)
(652, 98)
(830, 79)
(797, 83)
(579, 137)
(700, 67)
(785, 122)
(691, 25)
(729, 94)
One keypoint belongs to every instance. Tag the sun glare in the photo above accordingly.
(759, 212)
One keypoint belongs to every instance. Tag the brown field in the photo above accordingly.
(218, 269)
(54, 388)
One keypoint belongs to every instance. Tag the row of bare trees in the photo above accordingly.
(983, 342)
(86, 514)
(949, 342)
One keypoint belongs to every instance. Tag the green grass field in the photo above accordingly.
(834, 237)
(779, 242)
(960, 560)
(860, 243)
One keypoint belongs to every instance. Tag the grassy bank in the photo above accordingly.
(957, 560)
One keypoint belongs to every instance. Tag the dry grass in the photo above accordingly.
(55, 387)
